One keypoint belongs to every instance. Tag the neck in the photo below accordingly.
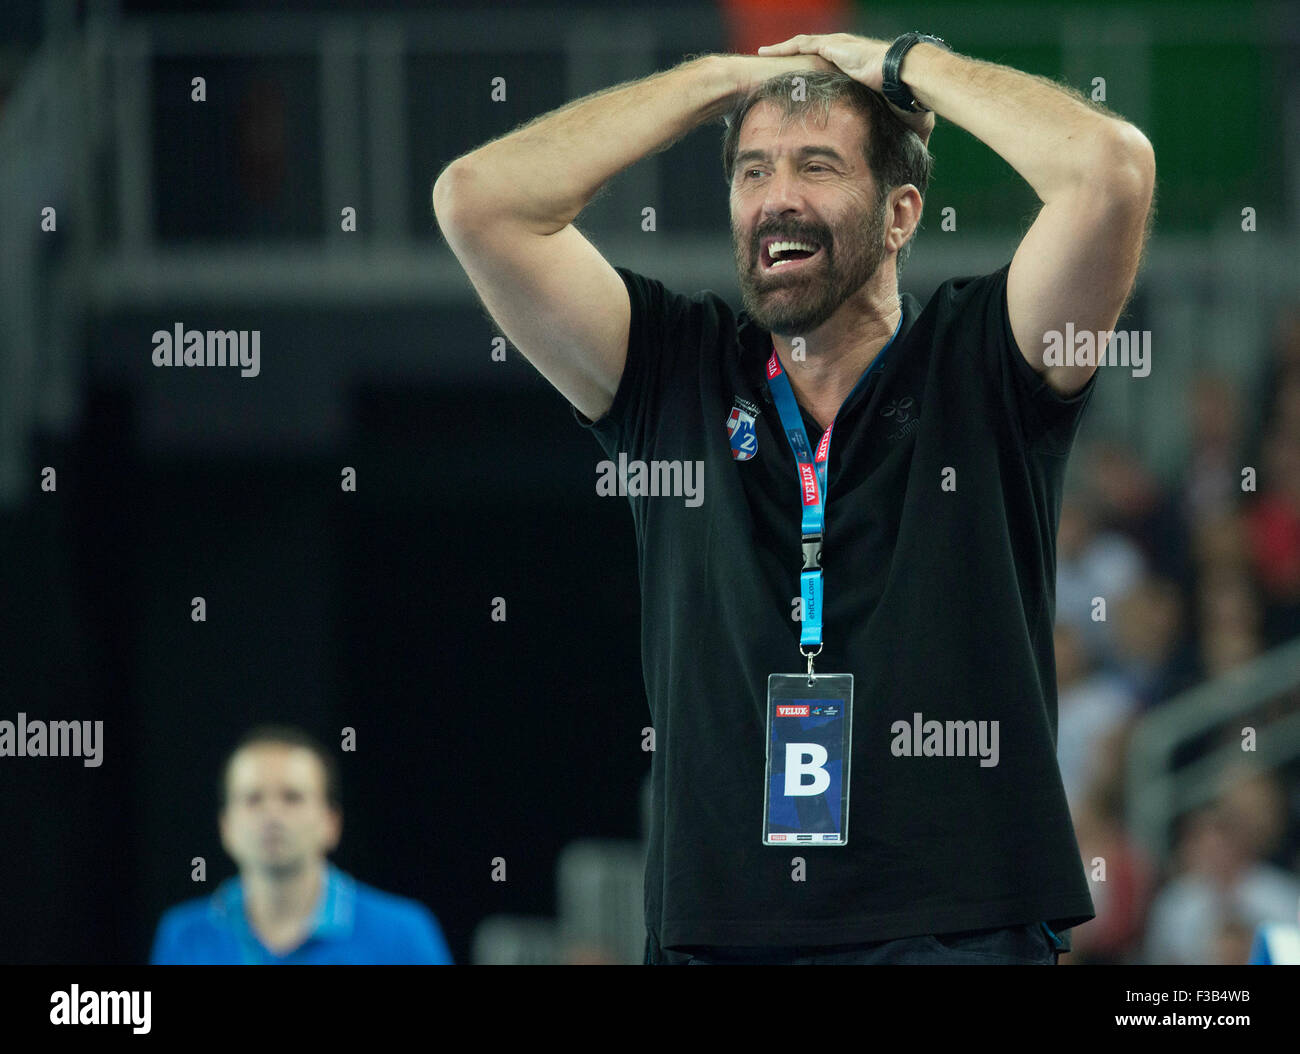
(838, 352)
(276, 901)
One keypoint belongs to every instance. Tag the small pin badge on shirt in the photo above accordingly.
(740, 427)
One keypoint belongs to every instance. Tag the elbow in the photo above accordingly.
(452, 194)
(1126, 165)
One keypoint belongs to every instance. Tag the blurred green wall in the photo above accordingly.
(1203, 81)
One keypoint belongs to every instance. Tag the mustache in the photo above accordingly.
(786, 234)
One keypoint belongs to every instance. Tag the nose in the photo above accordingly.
(783, 192)
(273, 808)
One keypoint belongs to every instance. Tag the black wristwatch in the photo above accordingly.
(895, 90)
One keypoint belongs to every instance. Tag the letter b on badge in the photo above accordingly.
(806, 759)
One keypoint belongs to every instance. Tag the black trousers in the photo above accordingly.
(1027, 944)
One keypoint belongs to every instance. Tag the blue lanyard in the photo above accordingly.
(812, 468)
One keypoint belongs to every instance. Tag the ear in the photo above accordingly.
(903, 216)
(333, 829)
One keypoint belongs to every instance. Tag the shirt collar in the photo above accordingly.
(332, 919)
(335, 915)
(754, 344)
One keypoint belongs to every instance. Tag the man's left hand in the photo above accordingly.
(861, 58)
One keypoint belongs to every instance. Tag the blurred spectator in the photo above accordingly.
(1131, 501)
(1212, 482)
(1120, 880)
(1092, 563)
(1284, 360)
(1255, 803)
(1222, 544)
(1273, 525)
(1153, 653)
(1091, 707)
(1232, 942)
(280, 817)
(1230, 619)
(1286, 407)
(1227, 649)
(1228, 600)
(1221, 884)
(1276, 944)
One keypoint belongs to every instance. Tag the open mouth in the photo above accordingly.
(779, 254)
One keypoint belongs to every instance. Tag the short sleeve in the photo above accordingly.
(1048, 421)
(657, 337)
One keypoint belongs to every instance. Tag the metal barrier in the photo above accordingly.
(42, 260)
(1158, 793)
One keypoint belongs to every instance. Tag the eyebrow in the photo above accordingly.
(746, 156)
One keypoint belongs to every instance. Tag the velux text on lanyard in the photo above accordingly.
(812, 467)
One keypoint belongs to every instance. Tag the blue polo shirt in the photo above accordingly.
(355, 924)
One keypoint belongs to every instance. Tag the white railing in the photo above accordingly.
(1262, 697)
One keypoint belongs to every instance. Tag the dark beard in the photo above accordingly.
(805, 302)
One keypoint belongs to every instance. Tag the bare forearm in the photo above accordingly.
(543, 174)
(1052, 137)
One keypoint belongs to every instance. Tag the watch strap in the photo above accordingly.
(894, 89)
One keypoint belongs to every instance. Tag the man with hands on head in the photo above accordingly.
(924, 591)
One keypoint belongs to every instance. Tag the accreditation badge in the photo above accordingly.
(809, 729)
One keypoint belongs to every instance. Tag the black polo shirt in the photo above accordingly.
(938, 601)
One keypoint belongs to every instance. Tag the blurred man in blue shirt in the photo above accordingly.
(280, 817)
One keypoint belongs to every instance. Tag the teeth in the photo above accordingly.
(780, 247)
